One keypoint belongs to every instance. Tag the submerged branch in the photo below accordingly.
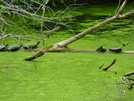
(112, 63)
(126, 83)
(129, 73)
(101, 66)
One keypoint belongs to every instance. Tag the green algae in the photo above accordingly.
(69, 76)
(63, 76)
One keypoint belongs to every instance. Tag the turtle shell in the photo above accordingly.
(3, 47)
(115, 49)
(31, 45)
(14, 47)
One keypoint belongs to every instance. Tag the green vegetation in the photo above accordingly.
(70, 76)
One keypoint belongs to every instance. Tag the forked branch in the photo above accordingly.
(112, 63)
(64, 43)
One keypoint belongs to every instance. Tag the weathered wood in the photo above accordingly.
(51, 31)
(129, 82)
(129, 78)
(130, 86)
(38, 54)
(129, 73)
(113, 62)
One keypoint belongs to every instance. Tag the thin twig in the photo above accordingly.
(101, 66)
(107, 93)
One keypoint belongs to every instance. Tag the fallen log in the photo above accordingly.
(48, 49)
(32, 57)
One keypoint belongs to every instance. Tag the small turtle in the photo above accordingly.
(101, 49)
(115, 49)
(31, 45)
(14, 47)
(3, 47)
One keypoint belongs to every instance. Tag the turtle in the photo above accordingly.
(101, 49)
(3, 47)
(115, 49)
(31, 45)
(14, 47)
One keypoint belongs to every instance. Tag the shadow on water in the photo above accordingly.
(73, 22)
(83, 17)
(83, 22)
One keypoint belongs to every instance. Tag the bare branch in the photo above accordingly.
(129, 73)
(121, 8)
(101, 66)
(126, 15)
(113, 62)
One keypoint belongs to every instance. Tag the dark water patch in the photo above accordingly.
(75, 24)
(83, 17)
(46, 26)
(81, 22)
(114, 27)
(87, 18)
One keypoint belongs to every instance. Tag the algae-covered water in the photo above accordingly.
(71, 76)
(63, 77)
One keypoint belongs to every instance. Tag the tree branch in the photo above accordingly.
(113, 62)
(64, 43)
(121, 8)
(129, 73)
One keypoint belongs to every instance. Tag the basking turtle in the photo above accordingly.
(115, 49)
(31, 45)
(3, 47)
(101, 49)
(14, 47)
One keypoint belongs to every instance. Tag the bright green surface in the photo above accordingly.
(63, 76)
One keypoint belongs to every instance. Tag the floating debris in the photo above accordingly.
(32, 57)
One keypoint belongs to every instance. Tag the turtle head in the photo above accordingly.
(21, 45)
(38, 42)
(6, 45)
